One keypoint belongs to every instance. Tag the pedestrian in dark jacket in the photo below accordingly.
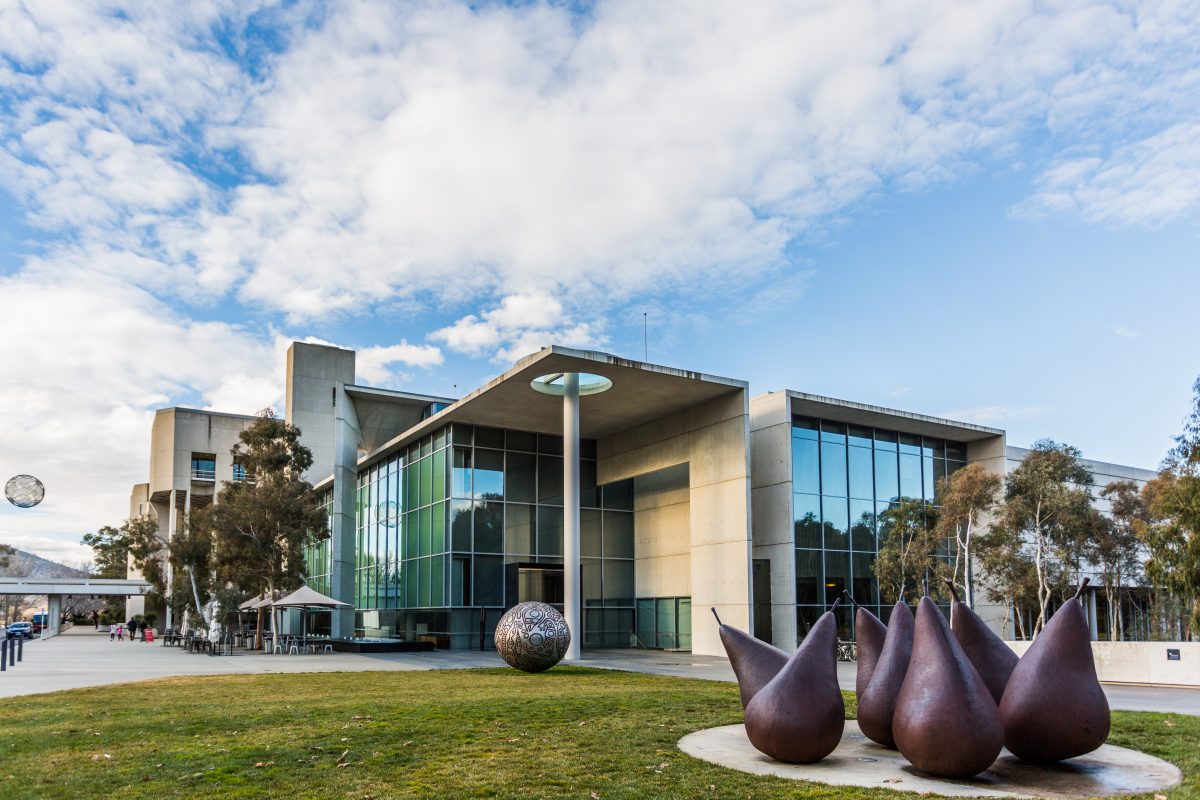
(131, 626)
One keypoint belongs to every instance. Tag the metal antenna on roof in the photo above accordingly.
(645, 337)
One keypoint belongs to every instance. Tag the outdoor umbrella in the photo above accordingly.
(305, 598)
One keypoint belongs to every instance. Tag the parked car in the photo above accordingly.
(23, 629)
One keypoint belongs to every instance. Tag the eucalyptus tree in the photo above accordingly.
(262, 524)
(909, 548)
(1115, 549)
(966, 498)
(1173, 536)
(1047, 515)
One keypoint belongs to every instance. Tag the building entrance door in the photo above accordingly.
(542, 583)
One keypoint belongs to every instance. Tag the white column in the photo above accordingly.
(1092, 621)
(172, 522)
(54, 614)
(571, 511)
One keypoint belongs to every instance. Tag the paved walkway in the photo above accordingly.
(82, 657)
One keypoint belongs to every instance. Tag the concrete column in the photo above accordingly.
(1092, 622)
(571, 563)
(172, 522)
(346, 438)
(54, 612)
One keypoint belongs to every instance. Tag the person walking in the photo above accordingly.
(112, 631)
(131, 626)
(120, 633)
(96, 619)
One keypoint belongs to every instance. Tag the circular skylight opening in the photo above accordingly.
(552, 384)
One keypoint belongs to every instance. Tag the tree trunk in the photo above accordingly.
(195, 593)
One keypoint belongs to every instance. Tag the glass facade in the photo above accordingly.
(469, 521)
(843, 478)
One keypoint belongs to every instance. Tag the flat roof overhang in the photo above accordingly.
(120, 587)
(812, 405)
(640, 393)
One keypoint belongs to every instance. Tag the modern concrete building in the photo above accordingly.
(638, 491)
(190, 460)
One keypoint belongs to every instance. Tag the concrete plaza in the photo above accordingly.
(82, 657)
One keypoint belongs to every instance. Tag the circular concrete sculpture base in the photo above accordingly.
(858, 761)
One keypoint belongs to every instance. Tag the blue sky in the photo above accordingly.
(987, 210)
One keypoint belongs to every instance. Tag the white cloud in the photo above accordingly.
(1150, 182)
(86, 360)
(521, 169)
(1125, 333)
(433, 151)
(520, 325)
(373, 364)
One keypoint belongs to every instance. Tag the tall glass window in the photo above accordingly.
(440, 525)
(843, 477)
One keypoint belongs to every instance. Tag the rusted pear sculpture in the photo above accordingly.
(754, 662)
(1053, 707)
(946, 722)
(991, 657)
(877, 704)
(799, 716)
(869, 634)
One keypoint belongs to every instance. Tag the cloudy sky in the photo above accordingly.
(985, 210)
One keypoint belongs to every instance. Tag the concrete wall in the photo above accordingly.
(314, 371)
(661, 526)
(1141, 662)
(711, 438)
(771, 492)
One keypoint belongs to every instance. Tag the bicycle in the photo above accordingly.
(847, 650)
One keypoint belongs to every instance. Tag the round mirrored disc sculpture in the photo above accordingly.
(24, 491)
(532, 637)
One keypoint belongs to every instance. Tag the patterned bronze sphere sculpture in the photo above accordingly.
(532, 637)
(24, 491)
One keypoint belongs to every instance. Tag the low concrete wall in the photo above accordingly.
(1141, 662)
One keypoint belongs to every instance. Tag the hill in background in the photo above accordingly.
(27, 565)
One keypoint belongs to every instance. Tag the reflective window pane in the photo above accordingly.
(862, 473)
(863, 585)
(836, 519)
(460, 472)
(807, 508)
(833, 469)
(910, 476)
(589, 533)
(808, 576)
(550, 480)
(837, 575)
(489, 531)
(806, 466)
(520, 476)
(519, 529)
(489, 474)
(862, 525)
(805, 427)
(887, 481)
(859, 436)
(489, 437)
(549, 531)
(833, 432)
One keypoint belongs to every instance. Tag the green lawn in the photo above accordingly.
(479, 733)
